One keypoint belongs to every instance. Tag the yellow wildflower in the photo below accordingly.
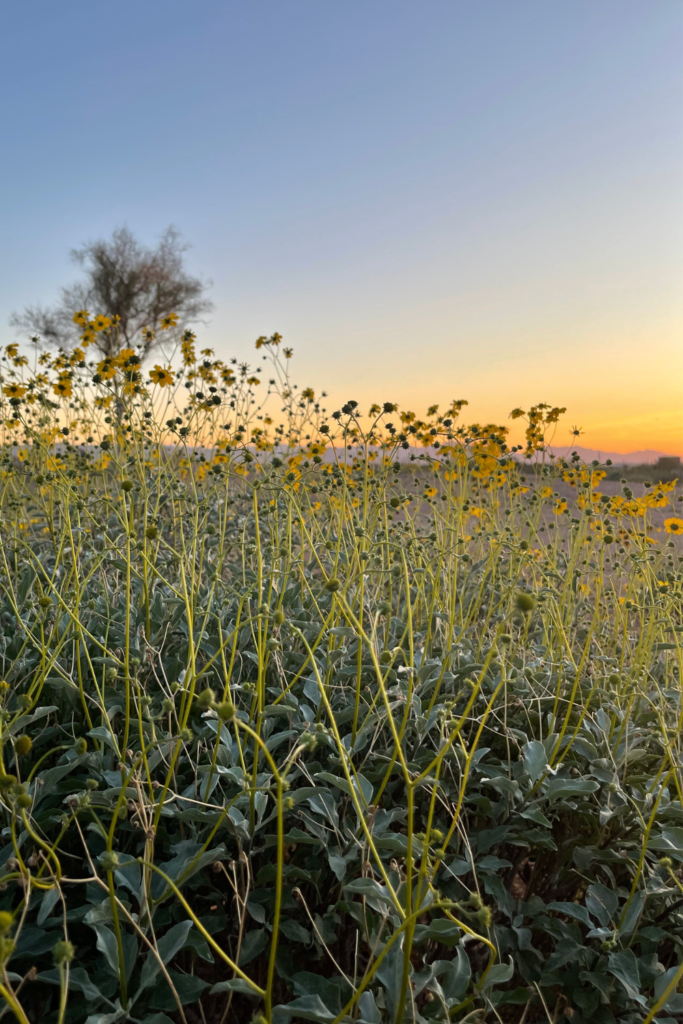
(673, 525)
(62, 386)
(162, 377)
(107, 368)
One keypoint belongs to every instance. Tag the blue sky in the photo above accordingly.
(429, 200)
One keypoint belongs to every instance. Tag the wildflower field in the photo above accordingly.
(326, 716)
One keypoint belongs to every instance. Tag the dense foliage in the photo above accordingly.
(348, 718)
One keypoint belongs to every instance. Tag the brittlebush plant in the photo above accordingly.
(344, 716)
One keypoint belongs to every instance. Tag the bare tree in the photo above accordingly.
(123, 280)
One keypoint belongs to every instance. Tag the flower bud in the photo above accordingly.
(23, 745)
(63, 952)
(225, 711)
(525, 602)
(109, 860)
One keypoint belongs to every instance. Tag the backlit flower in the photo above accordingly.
(162, 377)
(62, 386)
(107, 368)
(169, 321)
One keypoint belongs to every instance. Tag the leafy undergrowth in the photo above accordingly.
(318, 724)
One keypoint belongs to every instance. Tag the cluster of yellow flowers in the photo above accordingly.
(109, 399)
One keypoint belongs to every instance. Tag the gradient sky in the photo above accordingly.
(431, 199)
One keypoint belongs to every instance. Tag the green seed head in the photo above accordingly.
(151, 533)
(279, 617)
(63, 952)
(109, 860)
(525, 602)
(23, 745)
(6, 921)
(81, 746)
(484, 918)
(127, 485)
(332, 584)
(206, 698)
(225, 711)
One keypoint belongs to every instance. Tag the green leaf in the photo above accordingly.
(79, 980)
(602, 903)
(47, 904)
(25, 585)
(441, 930)
(370, 888)
(106, 943)
(535, 759)
(537, 816)
(624, 966)
(575, 910)
(167, 947)
(499, 974)
(294, 931)
(24, 720)
(362, 787)
(369, 1014)
(234, 985)
(254, 943)
(633, 913)
(565, 950)
(306, 1008)
(100, 732)
(333, 991)
(561, 787)
(670, 839)
(199, 946)
(188, 987)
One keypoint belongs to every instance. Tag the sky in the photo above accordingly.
(429, 199)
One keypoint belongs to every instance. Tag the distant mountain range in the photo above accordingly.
(646, 456)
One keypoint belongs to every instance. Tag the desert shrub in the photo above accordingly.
(344, 718)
